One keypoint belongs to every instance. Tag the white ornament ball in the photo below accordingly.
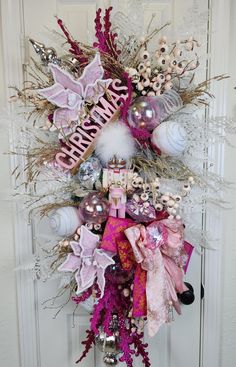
(170, 137)
(64, 221)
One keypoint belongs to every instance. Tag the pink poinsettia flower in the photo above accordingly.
(87, 261)
(71, 94)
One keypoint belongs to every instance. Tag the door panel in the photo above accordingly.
(58, 343)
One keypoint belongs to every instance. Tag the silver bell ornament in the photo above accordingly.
(47, 54)
(110, 359)
(107, 343)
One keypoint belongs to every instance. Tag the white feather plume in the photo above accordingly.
(115, 140)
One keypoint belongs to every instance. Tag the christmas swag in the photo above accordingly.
(112, 168)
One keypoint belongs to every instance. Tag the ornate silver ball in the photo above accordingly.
(110, 359)
(89, 172)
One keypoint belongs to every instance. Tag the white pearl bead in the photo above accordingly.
(165, 199)
(177, 198)
(146, 82)
(186, 188)
(178, 217)
(132, 71)
(168, 85)
(177, 52)
(144, 196)
(159, 207)
(140, 87)
(170, 203)
(145, 55)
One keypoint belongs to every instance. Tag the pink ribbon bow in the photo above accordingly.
(159, 248)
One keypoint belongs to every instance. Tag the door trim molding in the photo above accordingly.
(13, 58)
(211, 326)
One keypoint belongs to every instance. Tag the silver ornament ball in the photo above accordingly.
(48, 55)
(110, 359)
(89, 171)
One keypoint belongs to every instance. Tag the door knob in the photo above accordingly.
(187, 297)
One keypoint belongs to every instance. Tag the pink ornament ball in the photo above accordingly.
(94, 208)
(144, 113)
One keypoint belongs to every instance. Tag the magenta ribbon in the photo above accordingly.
(158, 248)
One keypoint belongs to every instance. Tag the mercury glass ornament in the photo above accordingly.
(145, 113)
(148, 112)
(94, 208)
(89, 171)
(142, 115)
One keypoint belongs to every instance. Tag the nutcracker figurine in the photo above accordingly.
(117, 179)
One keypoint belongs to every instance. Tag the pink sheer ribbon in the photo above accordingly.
(161, 260)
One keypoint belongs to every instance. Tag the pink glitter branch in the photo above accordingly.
(85, 295)
(141, 349)
(140, 134)
(101, 44)
(110, 37)
(114, 302)
(106, 39)
(125, 341)
(75, 49)
(97, 317)
(125, 103)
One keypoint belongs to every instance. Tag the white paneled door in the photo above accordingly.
(48, 342)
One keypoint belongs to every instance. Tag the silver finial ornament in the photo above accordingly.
(47, 54)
